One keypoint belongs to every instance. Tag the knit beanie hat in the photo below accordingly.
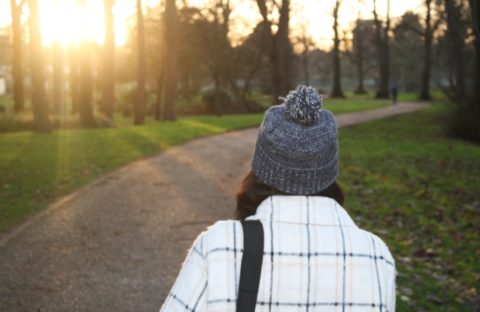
(297, 146)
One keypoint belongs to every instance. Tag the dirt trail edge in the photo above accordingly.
(117, 244)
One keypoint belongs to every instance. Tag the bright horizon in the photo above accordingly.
(314, 16)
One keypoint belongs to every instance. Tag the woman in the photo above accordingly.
(315, 257)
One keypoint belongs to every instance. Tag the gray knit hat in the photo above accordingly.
(297, 145)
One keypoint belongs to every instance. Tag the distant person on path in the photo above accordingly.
(314, 257)
(394, 93)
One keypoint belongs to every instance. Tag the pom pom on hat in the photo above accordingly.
(303, 104)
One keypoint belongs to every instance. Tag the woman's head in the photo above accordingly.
(296, 152)
(297, 146)
(253, 191)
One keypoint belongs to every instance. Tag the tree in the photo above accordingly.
(73, 77)
(108, 88)
(40, 108)
(307, 44)
(140, 100)
(475, 8)
(465, 116)
(85, 98)
(280, 48)
(427, 63)
(170, 65)
(407, 52)
(382, 40)
(209, 35)
(17, 68)
(426, 34)
(249, 60)
(362, 52)
(337, 79)
(456, 33)
(58, 81)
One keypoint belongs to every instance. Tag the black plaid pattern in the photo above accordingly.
(315, 259)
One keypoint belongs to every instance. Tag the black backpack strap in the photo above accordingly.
(251, 265)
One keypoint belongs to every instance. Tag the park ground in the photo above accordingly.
(36, 169)
(404, 179)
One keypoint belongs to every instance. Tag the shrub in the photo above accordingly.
(464, 120)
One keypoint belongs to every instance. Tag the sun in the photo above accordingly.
(68, 22)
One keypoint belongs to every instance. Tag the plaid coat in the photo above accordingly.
(315, 259)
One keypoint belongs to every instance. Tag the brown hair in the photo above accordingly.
(253, 191)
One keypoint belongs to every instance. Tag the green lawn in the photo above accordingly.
(419, 191)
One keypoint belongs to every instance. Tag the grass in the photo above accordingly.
(418, 190)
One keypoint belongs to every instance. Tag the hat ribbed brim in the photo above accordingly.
(301, 181)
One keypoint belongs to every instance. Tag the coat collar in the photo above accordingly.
(303, 209)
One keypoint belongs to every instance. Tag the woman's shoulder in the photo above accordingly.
(221, 234)
(379, 246)
(223, 231)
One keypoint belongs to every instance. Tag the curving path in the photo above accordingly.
(117, 244)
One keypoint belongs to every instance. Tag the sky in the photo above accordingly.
(315, 16)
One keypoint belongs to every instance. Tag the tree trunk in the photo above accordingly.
(141, 72)
(73, 75)
(475, 7)
(306, 68)
(170, 65)
(456, 53)
(86, 86)
(280, 49)
(58, 82)
(17, 70)
(269, 36)
(359, 47)
(85, 80)
(286, 49)
(383, 51)
(425, 91)
(337, 78)
(360, 73)
(160, 92)
(40, 108)
(108, 94)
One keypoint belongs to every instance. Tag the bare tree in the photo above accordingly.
(456, 34)
(73, 77)
(108, 94)
(430, 28)
(141, 72)
(280, 48)
(382, 39)
(170, 65)
(361, 51)
(248, 62)
(17, 70)
(39, 104)
(427, 64)
(306, 42)
(475, 9)
(85, 98)
(58, 80)
(337, 76)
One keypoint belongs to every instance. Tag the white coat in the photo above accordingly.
(315, 259)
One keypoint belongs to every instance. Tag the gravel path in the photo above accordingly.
(117, 244)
